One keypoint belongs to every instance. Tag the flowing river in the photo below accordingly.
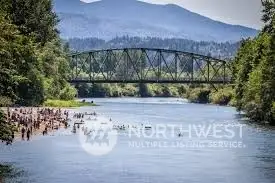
(242, 153)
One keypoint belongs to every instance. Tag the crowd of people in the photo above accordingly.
(30, 120)
(82, 115)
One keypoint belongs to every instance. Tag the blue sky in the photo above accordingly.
(242, 12)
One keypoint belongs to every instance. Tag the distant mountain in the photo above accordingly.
(107, 19)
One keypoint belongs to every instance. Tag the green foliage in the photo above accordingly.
(5, 129)
(198, 95)
(33, 17)
(67, 93)
(268, 15)
(181, 90)
(219, 50)
(255, 66)
(34, 64)
(243, 68)
(130, 90)
(273, 110)
(222, 96)
(5, 101)
(11, 46)
(66, 103)
(31, 92)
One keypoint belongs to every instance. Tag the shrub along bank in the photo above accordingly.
(195, 94)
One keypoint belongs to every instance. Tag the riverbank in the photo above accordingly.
(221, 96)
(67, 103)
(130, 90)
(30, 121)
(204, 94)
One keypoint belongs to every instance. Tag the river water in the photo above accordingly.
(60, 157)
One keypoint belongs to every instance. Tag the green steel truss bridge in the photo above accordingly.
(146, 65)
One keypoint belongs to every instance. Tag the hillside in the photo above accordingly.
(107, 19)
(218, 50)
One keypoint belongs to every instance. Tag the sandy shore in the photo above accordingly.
(34, 115)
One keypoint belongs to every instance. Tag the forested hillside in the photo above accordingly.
(255, 71)
(219, 50)
(34, 64)
(106, 19)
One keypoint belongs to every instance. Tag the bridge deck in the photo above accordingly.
(151, 81)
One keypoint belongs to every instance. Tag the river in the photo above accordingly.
(60, 157)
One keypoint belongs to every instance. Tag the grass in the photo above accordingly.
(68, 103)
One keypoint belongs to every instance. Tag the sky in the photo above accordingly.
(240, 12)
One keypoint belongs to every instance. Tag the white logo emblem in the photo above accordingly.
(97, 137)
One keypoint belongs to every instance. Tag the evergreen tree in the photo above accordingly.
(255, 66)
(34, 18)
(34, 64)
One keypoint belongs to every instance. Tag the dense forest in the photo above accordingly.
(33, 60)
(255, 71)
(34, 63)
(218, 50)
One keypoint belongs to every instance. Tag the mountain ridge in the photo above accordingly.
(121, 17)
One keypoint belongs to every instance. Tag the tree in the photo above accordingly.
(255, 66)
(268, 15)
(244, 67)
(34, 64)
(6, 129)
(33, 18)
(12, 46)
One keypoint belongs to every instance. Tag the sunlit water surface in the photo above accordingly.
(60, 157)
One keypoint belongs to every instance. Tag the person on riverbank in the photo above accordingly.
(66, 124)
(31, 121)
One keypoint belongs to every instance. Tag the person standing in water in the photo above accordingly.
(28, 134)
(23, 133)
(12, 136)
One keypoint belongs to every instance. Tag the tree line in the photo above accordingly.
(34, 65)
(255, 70)
(224, 50)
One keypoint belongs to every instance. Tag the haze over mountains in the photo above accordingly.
(107, 19)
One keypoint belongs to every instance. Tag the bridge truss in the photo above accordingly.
(145, 65)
